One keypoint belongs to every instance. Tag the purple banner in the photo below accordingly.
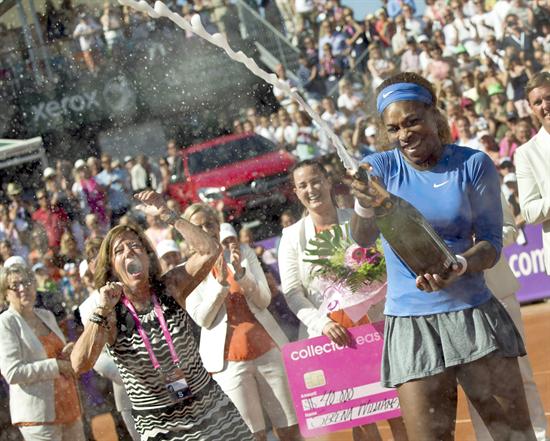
(527, 263)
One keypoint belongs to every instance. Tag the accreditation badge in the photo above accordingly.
(177, 386)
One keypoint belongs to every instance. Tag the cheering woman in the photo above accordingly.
(441, 331)
(142, 319)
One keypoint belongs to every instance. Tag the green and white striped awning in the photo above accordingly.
(17, 151)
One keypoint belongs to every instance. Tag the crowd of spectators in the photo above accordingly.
(478, 54)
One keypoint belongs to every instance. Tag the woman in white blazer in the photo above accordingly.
(240, 340)
(40, 385)
(532, 161)
(313, 189)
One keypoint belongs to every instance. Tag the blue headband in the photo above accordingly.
(402, 92)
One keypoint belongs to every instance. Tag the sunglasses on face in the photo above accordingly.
(18, 287)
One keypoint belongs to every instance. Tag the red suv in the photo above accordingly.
(245, 171)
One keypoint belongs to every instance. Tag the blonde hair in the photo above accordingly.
(5, 274)
(200, 208)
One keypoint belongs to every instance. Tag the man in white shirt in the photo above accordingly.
(486, 23)
(533, 163)
(413, 25)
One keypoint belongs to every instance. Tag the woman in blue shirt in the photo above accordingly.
(441, 331)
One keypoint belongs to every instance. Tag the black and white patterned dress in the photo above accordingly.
(208, 416)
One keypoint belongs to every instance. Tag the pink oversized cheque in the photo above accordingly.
(335, 388)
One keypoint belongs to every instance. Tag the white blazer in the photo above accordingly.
(500, 279)
(26, 367)
(296, 277)
(532, 161)
(206, 306)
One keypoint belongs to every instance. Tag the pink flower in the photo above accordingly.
(356, 256)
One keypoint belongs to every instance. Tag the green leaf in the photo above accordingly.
(318, 261)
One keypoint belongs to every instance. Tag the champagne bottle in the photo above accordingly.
(409, 234)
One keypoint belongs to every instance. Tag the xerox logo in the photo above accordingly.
(315, 350)
(56, 108)
(115, 97)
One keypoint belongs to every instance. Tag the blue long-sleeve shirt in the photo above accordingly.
(460, 198)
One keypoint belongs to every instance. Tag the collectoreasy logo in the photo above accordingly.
(315, 350)
(74, 103)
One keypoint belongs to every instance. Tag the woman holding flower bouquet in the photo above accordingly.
(304, 293)
(442, 329)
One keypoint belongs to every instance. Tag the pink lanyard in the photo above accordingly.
(143, 335)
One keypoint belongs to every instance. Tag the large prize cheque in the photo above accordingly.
(338, 387)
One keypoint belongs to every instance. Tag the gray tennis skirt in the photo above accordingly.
(420, 346)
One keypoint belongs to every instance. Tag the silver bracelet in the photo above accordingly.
(363, 212)
(463, 264)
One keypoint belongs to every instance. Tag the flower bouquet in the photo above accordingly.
(349, 276)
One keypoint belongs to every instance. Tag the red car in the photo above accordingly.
(244, 171)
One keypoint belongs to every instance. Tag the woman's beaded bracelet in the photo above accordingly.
(100, 320)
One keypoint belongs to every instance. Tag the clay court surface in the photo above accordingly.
(537, 325)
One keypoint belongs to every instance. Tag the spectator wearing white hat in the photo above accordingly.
(169, 254)
(363, 138)
(240, 340)
(15, 260)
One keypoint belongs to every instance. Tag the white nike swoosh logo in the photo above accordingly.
(440, 185)
(387, 94)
